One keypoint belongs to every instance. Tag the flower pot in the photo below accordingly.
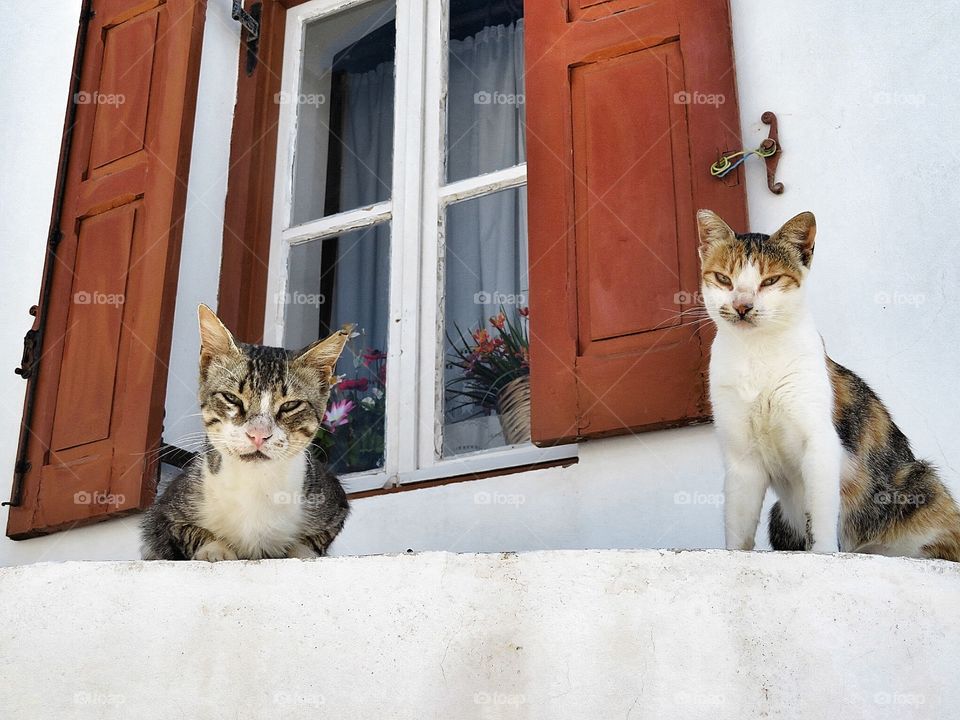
(513, 408)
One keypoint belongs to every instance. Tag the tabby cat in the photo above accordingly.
(790, 417)
(254, 491)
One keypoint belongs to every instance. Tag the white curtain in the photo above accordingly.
(486, 239)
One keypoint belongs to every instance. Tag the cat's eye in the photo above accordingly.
(232, 399)
(723, 279)
(289, 406)
(772, 280)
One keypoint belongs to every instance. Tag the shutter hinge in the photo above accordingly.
(251, 23)
(31, 350)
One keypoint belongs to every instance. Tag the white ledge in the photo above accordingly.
(561, 634)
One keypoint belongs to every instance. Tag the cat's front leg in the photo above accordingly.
(215, 551)
(744, 488)
(197, 543)
(821, 467)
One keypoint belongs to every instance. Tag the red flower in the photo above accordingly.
(356, 384)
(498, 321)
(372, 356)
(524, 312)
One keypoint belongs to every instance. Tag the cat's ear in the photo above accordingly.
(215, 339)
(711, 229)
(801, 231)
(323, 354)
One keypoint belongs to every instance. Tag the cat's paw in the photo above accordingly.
(824, 548)
(301, 551)
(215, 551)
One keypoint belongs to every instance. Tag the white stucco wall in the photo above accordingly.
(866, 93)
(202, 240)
(545, 635)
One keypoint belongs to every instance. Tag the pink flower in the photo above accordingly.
(336, 414)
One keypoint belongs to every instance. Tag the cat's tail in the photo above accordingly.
(924, 520)
(783, 535)
(939, 512)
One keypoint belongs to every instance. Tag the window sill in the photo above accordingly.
(464, 467)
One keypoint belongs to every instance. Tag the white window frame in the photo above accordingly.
(417, 210)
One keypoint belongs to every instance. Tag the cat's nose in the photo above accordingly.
(258, 437)
(742, 309)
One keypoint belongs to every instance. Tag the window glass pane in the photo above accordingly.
(331, 282)
(487, 366)
(485, 100)
(344, 145)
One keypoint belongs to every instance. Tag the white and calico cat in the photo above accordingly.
(790, 418)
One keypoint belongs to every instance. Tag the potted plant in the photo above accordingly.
(495, 372)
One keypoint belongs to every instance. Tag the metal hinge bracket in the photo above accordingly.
(31, 351)
(251, 24)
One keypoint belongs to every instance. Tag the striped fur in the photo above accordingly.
(254, 491)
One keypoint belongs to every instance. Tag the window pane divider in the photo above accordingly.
(403, 344)
(430, 378)
(485, 184)
(338, 224)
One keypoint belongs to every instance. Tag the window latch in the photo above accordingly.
(769, 151)
(250, 21)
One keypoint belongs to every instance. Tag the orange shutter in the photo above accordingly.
(110, 293)
(628, 104)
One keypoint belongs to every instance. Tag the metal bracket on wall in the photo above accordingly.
(251, 24)
(772, 160)
(769, 150)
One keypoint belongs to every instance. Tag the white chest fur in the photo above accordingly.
(773, 406)
(255, 506)
(771, 396)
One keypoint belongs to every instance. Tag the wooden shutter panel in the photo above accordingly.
(628, 104)
(99, 393)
